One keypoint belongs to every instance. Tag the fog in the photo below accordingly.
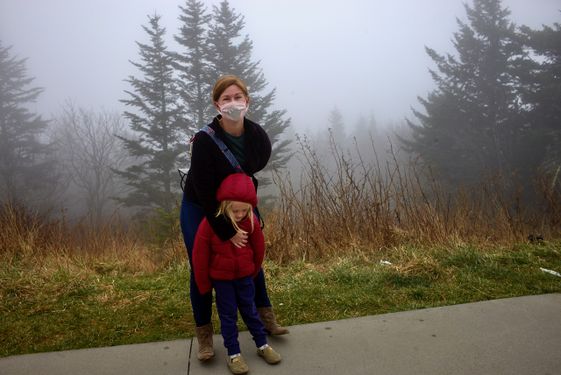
(362, 57)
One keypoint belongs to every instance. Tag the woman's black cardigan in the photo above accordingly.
(209, 166)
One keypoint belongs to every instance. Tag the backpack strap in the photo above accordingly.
(228, 154)
(222, 146)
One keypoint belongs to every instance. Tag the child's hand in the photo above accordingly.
(240, 239)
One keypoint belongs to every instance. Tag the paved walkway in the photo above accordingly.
(507, 336)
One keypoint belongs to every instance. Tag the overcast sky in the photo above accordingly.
(362, 56)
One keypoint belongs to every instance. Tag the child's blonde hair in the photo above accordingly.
(225, 209)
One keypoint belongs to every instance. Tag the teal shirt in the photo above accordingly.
(236, 145)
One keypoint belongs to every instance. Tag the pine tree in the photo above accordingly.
(472, 121)
(230, 55)
(543, 96)
(193, 64)
(336, 126)
(367, 139)
(26, 168)
(157, 121)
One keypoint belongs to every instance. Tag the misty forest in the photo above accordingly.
(477, 160)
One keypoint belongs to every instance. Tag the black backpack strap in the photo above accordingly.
(222, 146)
(233, 161)
(228, 154)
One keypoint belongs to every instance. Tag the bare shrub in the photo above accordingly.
(350, 205)
(38, 241)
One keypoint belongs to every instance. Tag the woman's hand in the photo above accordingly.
(240, 239)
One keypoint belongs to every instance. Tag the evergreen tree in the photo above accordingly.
(232, 54)
(472, 121)
(157, 121)
(195, 82)
(543, 95)
(27, 175)
(336, 126)
(368, 140)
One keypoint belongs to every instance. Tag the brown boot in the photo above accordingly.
(268, 318)
(204, 337)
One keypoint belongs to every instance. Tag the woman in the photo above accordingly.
(251, 148)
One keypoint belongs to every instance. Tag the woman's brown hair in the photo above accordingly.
(226, 81)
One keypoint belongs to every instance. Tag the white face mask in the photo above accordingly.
(234, 110)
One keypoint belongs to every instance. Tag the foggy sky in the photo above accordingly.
(362, 56)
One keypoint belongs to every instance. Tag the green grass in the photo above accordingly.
(69, 307)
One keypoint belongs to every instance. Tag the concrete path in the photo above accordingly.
(507, 336)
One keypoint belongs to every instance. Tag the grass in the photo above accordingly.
(72, 309)
(73, 304)
(69, 285)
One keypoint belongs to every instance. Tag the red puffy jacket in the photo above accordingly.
(221, 260)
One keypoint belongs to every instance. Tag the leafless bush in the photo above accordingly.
(87, 150)
(363, 206)
(38, 240)
(345, 205)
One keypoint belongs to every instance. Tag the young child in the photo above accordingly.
(230, 269)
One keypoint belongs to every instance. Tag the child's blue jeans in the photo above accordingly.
(231, 296)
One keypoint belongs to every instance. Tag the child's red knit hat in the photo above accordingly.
(237, 187)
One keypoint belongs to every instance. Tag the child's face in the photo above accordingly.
(239, 210)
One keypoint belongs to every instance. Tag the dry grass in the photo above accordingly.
(353, 207)
(46, 245)
(359, 206)
(67, 286)
(383, 237)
